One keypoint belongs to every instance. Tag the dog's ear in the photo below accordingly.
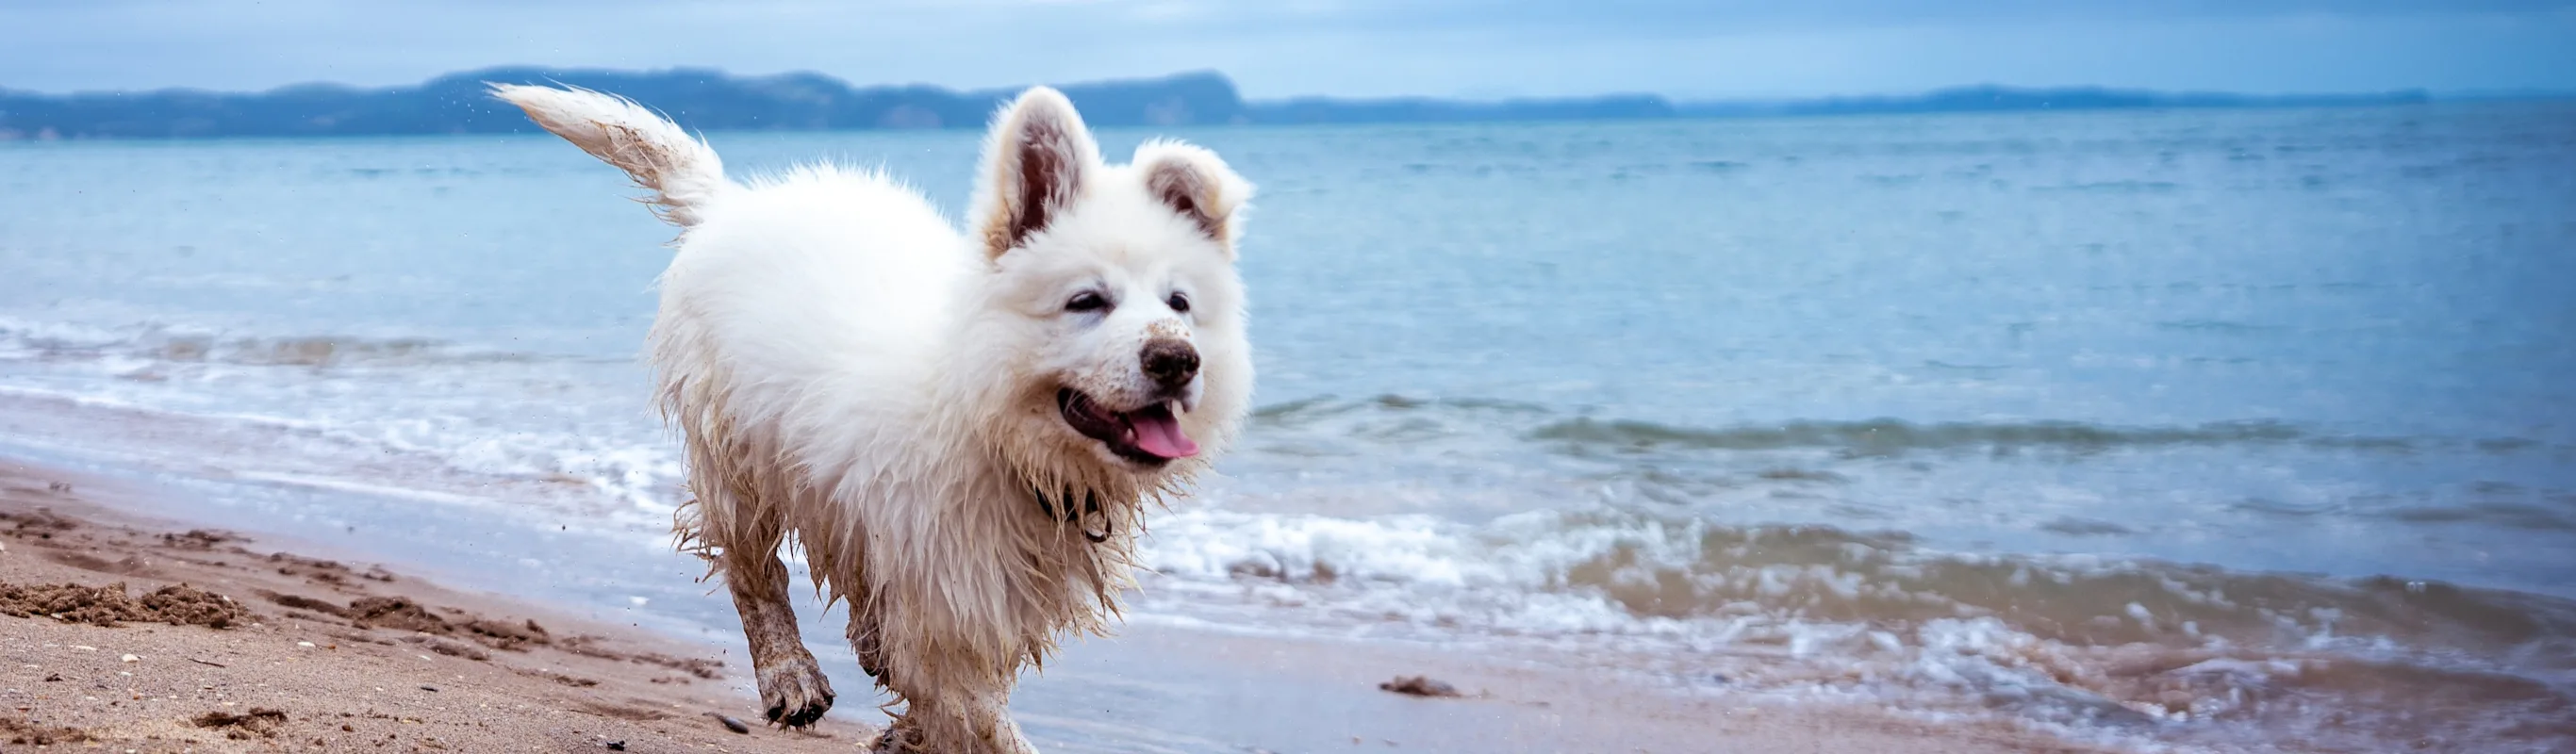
(1037, 159)
(1194, 183)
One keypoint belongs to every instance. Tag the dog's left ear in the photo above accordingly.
(1194, 183)
(1037, 160)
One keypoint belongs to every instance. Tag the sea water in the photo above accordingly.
(2191, 427)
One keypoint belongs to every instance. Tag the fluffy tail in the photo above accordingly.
(682, 172)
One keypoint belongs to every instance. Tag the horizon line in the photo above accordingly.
(2417, 92)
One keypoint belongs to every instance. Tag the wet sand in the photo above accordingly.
(338, 655)
(319, 654)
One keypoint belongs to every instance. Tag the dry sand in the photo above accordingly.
(319, 655)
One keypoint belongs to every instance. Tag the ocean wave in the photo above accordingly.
(155, 343)
(615, 468)
(1581, 432)
(2076, 640)
(1894, 435)
(1644, 567)
(1309, 410)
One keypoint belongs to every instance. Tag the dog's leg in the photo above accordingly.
(793, 689)
(961, 713)
(903, 736)
(991, 715)
(988, 729)
(744, 533)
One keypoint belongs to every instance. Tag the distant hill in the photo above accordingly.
(1419, 110)
(711, 100)
(700, 99)
(2006, 99)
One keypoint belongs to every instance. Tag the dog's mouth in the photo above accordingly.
(1150, 435)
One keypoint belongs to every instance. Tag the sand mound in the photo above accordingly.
(109, 606)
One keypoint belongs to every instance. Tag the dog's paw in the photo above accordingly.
(901, 737)
(795, 693)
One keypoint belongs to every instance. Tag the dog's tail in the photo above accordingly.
(682, 172)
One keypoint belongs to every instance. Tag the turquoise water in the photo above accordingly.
(1972, 408)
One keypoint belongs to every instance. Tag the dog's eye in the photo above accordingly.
(1086, 301)
(1180, 304)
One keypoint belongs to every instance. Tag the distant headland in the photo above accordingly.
(711, 100)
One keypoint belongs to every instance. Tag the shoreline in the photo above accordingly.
(1156, 686)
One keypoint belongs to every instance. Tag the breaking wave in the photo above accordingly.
(151, 344)
(1580, 434)
(2184, 652)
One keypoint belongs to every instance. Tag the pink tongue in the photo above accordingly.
(1160, 434)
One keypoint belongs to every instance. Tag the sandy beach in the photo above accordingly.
(280, 652)
(127, 630)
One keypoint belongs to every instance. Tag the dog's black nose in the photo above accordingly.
(1170, 363)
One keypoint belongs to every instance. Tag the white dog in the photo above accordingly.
(962, 430)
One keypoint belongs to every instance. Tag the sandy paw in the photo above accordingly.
(898, 738)
(795, 693)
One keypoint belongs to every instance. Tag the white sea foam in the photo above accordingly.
(363, 488)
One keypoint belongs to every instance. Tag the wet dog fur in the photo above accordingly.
(960, 428)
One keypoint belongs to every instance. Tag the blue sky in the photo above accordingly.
(1279, 48)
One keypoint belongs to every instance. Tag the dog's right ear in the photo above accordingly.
(1037, 160)
(1193, 182)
